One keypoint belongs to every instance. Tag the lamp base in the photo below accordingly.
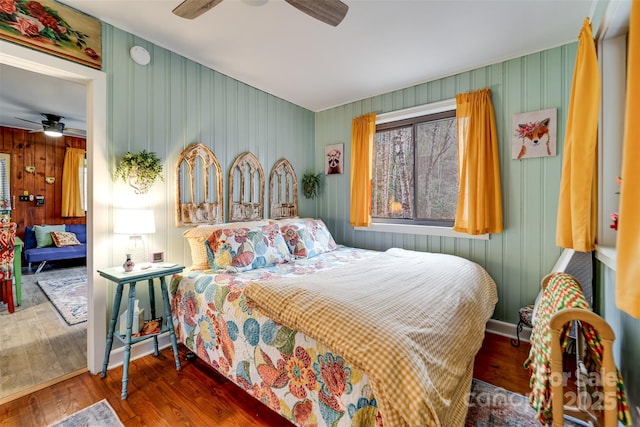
(137, 249)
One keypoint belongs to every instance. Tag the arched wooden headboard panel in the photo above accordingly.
(246, 189)
(196, 201)
(283, 191)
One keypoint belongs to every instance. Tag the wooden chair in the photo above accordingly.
(7, 239)
(608, 370)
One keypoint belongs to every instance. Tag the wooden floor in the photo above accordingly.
(36, 344)
(198, 396)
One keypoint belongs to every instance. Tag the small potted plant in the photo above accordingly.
(140, 170)
(310, 185)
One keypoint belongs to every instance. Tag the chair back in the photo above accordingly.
(7, 241)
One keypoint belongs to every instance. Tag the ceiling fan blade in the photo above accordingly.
(30, 121)
(75, 132)
(190, 9)
(330, 12)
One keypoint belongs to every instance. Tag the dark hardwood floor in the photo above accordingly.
(198, 396)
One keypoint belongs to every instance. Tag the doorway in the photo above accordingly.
(99, 200)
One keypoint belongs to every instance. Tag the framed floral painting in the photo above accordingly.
(54, 28)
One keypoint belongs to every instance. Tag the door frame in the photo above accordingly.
(99, 199)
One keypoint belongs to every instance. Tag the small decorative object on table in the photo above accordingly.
(128, 264)
(157, 257)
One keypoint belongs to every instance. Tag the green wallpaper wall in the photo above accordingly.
(174, 102)
(518, 258)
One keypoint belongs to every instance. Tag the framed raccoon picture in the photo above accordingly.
(333, 159)
(534, 134)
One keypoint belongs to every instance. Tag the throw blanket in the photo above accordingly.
(413, 321)
(563, 291)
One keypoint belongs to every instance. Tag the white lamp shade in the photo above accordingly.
(133, 221)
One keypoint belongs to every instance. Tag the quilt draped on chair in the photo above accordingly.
(563, 291)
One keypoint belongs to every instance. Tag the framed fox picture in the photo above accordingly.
(534, 134)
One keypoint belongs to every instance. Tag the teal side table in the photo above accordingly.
(121, 278)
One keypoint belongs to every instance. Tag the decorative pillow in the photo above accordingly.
(43, 234)
(197, 237)
(241, 249)
(198, 253)
(64, 238)
(269, 246)
(307, 239)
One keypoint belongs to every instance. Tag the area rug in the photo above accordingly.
(100, 414)
(69, 296)
(491, 406)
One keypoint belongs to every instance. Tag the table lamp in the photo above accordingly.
(135, 223)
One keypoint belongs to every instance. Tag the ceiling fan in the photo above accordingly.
(330, 12)
(52, 126)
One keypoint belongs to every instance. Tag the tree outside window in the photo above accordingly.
(415, 176)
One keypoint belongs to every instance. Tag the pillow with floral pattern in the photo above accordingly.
(270, 247)
(196, 237)
(242, 249)
(307, 239)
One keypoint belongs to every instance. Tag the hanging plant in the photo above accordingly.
(310, 185)
(140, 170)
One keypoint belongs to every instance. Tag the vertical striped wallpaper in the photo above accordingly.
(173, 102)
(518, 258)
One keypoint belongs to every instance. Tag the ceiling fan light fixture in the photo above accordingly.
(54, 129)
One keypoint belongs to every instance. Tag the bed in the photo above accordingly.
(330, 335)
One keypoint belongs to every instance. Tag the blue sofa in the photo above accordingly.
(34, 254)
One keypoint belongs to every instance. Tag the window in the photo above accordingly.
(415, 168)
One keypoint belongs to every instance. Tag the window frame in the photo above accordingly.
(380, 225)
(413, 123)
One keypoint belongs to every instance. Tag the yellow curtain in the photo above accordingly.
(363, 131)
(628, 250)
(576, 225)
(71, 200)
(479, 208)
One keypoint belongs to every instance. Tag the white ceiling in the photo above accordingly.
(380, 46)
(26, 95)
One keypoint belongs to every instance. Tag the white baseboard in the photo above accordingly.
(138, 350)
(508, 330)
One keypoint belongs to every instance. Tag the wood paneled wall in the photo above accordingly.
(47, 155)
(174, 102)
(520, 256)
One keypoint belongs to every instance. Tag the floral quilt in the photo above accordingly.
(294, 375)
